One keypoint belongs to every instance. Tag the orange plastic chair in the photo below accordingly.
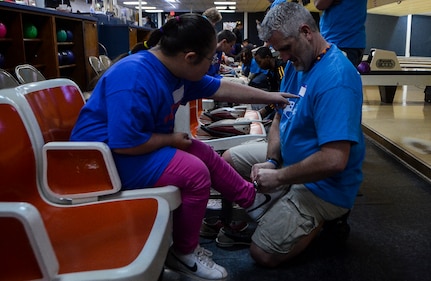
(51, 109)
(114, 239)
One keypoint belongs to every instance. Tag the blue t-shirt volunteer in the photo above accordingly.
(136, 97)
(350, 34)
(329, 109)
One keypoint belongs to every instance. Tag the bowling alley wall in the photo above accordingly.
(383, 32)
(390, 33)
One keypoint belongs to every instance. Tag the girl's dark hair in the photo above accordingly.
(246, 56)
(186, 33)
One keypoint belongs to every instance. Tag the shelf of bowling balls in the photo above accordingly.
(31, 35)
(66, 58)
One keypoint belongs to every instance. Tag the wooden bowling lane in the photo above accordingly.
(403, 127)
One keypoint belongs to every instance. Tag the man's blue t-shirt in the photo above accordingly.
(351, 33)
(329, 109)
(136, 97)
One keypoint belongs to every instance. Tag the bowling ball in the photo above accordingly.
(61, 35)
(69, 35)
(60, 58)
(30, 31)
(64, 57)
(364, 67)
(3, 30)
(1, 60)
(70, 57)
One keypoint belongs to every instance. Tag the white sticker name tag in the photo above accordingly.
(302, 91)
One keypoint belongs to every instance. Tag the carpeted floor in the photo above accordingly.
(390, 235)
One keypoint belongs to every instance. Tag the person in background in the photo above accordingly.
(257, 77)
(343, 24)
(132, 109)
(225, 40)
(213, 15)
(275, 66)
(148, 22)
(238, 33)
(245, 46)
(246, 57)
(275, 73)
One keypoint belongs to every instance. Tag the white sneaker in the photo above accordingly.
(197, 265)
(263, 201)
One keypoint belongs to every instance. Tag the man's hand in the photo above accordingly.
(264, 176)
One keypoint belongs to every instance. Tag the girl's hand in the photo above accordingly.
(181, 140)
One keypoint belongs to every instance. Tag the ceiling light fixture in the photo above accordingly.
(224, 3)
(229, 9)
(134, 3)
(154, 11)
(226, 8)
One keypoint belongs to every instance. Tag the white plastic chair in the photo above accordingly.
(96, 64)
(106, 61)
(27, 73)
(7, 80)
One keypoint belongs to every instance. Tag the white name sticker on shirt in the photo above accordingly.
(302, 91)
(178, 94)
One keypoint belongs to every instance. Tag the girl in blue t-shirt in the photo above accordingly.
(132, 109)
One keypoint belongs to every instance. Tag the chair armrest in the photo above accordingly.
(170, 193)
(26, 248)
(78, 171)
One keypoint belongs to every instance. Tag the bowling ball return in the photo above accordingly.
(387, 74)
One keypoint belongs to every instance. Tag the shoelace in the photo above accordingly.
(204, 256)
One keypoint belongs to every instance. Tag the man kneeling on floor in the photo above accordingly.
(315, 146)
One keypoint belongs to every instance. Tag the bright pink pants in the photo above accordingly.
(194, 171)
